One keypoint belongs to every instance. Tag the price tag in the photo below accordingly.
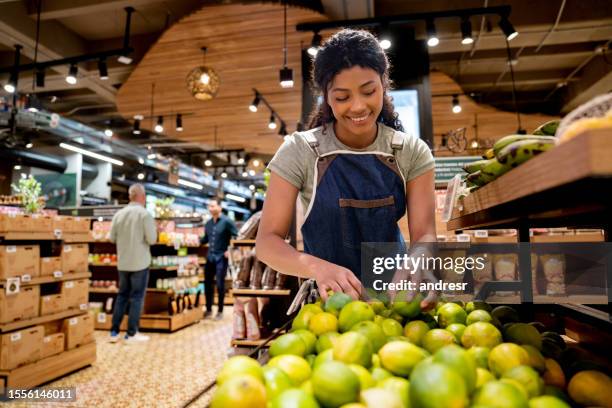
(10, 249)
(69, 285)
(481, 233)
(16, 336)
(46, 260)
(26, 278)
(12, 286)
(83, 306)
(67, 248)
(101, 317)
(46, 339)
(58, 274)
(463, 238)
(73, 321)
(57, 233)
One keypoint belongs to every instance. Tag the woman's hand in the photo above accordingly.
(330, 276)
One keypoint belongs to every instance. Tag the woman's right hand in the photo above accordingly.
(333, 277)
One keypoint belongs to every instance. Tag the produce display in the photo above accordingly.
(167, 233)
(353, 354)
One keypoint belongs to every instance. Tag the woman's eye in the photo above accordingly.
(342, 99)
(370, 93)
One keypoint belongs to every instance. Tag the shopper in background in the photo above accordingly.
(357, 173)
(218, 232)
(133, 231)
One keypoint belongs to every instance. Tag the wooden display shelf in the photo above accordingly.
(254, 343)
(102, 264)
(47, 369)
(77, 237)
(28, 236)
(20, 324)
(102, 290)
(157, 321)
(50, 279)
(242, 242)
(567, 238)
(260, 292)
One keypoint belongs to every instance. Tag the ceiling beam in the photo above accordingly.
(595, 79)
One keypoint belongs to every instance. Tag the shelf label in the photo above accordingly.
(16, 337)
(67, 248)
(101, 317)
(58, 274)
(26, 278)
(83, 306)
(463, 238)
(73, 321)
(57, 233)
(12, 286)
(11, 248)
(69, 285)
(481, 233)
(47, 339)
(46, 298)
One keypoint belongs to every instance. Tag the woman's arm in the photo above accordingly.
(271, 248)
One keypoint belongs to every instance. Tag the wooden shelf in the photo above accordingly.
(158, 321)
(77, 237)
(47, 369)
(50, 279)
(254, 343)
(28, 236)
(102, 290)
(260, 292)
(20, 324)
(242, 242)
(102, 264)
(567, 238)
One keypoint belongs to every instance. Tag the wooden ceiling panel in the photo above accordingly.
(245, 44)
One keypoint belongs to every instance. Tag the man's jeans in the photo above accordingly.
(215, 269)
(132, 289)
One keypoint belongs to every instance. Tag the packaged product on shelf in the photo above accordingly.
(22, 305)
(251, 315)
(19, 261)
(505, 270)
(101, 230)
(78, 330)
(239, 320)
(76, 293)
(256, 275)
(52, 344)
(244, 273)
(50, 265)
(249, 228)
(269, 279)
(51, 304)
(20, 347)
(281, 281)
(75, 258)
(553, 267)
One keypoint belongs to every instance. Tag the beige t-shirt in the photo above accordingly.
(295, 160)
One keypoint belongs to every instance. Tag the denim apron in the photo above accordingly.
(357, 197)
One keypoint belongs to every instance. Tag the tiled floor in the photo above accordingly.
(165, 372)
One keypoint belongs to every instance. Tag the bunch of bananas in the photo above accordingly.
(507, 153)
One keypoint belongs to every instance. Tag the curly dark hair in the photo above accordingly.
(346, 49)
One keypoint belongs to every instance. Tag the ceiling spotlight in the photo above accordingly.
(508, 29)
(286, 77)
(159, 127)
(432, 37)
(108, 132)
(474, 144)
(240, 160)
(17, 167)
(103, 69)
(253, 105)
(29, 145)
(385, 43)
(141, 176)
(385, 38)
(256, 163)
(151, 156)
(208, 162)
(140, 160)
(252, 173)
(466, 31)
(72, 74)
(136, 129)
(11, 84)
(179, 123)
(245, 174)
(315, 44)
(124, 59)
(252, 187)
(456, 105)
(224, 175)
(40, 78)
(272, 123)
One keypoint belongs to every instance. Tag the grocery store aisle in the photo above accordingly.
(164, 372)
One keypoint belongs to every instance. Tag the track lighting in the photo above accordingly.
(11, 84)
(508, 29)
(17, 167)
(141, 160)
(136, 129)
(208, 162)
(466, 31)
(245, 174)
(29, 145)
(179, 123)
(223, 174)
(103, 69)
(286, 77)
(159, 127)
(456, 105)
(141, 176)
(90, 154)
(253, 105)
(432, 37)
(108, 132)
(283, 129)
(385, 38)
(272, 123)
(40, 78)
(72, 74)
(315, 44)
(240, 160)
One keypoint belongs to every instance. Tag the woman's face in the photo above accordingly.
(355, 96)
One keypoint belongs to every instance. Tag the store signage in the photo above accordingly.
(448, 167)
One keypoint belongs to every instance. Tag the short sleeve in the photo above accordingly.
(289, 160)
(415, 158)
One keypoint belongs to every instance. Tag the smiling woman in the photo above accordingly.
(356, 172)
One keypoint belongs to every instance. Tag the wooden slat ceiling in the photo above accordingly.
(245, 44)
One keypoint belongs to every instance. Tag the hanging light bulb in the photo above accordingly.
(205, 78)
(456, 105)
(385, 38)
(315, 44)
(159, 127)
(432, 37)
(256, 163)
(272, 123)
(475, 144)
(286, 77)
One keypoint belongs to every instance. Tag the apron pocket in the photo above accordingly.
(367, 221)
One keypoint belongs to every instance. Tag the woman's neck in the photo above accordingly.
(355, 141)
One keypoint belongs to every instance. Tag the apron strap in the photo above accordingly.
(397, 143)
(312, 142)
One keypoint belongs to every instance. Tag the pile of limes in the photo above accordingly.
(353, 354)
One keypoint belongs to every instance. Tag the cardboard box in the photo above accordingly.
(75, 293)
(19, 306)
(20, 347)
(75, 258)
(50, 304)
(50, 265)
(52, 344)
(12, 222)
(19, 260)
(78, 330)
(79, 225)
(38, 223)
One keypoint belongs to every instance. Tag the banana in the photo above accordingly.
(489, 154)
(547, 129)
(478, 178)
(475, 166)
(505, 141)
(494, 169)
(519, 152)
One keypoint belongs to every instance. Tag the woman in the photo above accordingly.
(355, 170)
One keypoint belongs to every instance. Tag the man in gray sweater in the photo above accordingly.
(133, 230)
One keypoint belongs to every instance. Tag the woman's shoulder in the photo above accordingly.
(406, 138)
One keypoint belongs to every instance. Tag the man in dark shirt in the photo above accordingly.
(217, 234)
